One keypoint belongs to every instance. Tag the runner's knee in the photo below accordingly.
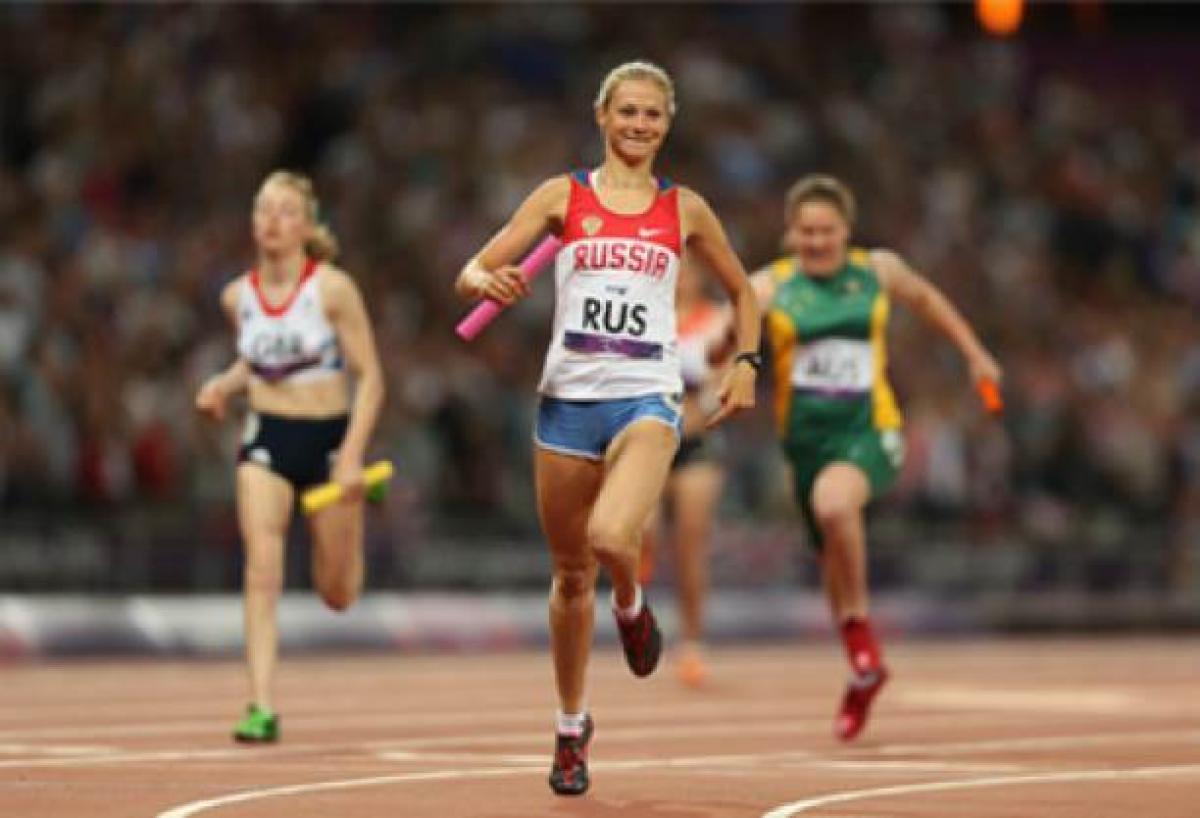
(833, 513)
(574, 582)
(340, 596)
(261, 577)
(613, 538)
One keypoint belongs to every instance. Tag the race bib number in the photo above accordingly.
(834, 366)
(608, 323)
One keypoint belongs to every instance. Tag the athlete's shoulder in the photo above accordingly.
(232, 291)
(695, 211)
(688, 198)
(333, 281)
(861, 257)
(556, 187)
(886, 265)
(781, 269)
(550, 197)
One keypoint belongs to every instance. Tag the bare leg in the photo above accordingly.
(337, 555)
(264, 502)
(695, 490)
(839, 496)
(566, 489)
(638, 462)
(650, 548)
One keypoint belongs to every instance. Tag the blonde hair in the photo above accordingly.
(818, 187)
(322, 245)
(636, 70)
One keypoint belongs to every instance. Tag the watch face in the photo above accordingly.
(752, 358)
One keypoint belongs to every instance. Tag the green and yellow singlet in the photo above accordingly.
(828, 339)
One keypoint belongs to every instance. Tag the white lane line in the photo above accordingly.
(797, 807)
(491, 758)
(186, 810)
(495, 715)
(1100, 701)
(101, 759)
(916, 766)
(724, 711)
(195, 807)
(740, 727)
(799, 758)
(396, 747)
(69, 750)
(1042, 742)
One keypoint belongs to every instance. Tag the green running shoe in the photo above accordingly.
(258, 726)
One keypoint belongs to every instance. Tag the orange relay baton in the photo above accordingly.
(989, 393)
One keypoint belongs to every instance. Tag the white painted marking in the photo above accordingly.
(405, 755)
(797, 807)
(54, 750)
(1029, 700)
(1043, 742)
(490, 716)
(916, 766)
(195, 807)
(119, 757)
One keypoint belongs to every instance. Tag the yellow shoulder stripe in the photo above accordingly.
(782, 269)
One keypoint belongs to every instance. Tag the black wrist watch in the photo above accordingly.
(752, 358)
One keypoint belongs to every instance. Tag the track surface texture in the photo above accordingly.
(1105, 728)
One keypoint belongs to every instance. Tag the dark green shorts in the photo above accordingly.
(878, 453)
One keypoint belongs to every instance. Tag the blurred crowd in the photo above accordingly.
(1058, 206)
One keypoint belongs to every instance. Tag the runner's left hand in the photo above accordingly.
(736, 393)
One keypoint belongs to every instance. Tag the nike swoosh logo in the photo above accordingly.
(649, 232)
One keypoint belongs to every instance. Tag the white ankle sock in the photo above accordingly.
(570, 724)
(629, 614)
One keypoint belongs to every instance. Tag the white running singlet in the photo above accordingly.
(293, 341)
(614, 316)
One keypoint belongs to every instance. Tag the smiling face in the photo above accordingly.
(280, 221)
(819, 235)
(636, 120)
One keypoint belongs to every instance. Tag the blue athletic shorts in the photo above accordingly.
(585, 428)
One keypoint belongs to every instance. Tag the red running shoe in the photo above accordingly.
(642, 641)
(569, 773)
(856, 703)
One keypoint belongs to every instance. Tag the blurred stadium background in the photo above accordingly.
(1048, 181)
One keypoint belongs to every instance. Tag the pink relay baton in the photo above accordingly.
(486, 311)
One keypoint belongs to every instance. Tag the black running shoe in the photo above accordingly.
(642, 641)
(569, 773)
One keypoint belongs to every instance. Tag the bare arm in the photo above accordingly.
(724, 342)
(764, 286)
(491, 273)
(706, 237)
(350, 321)
(917, 293)
(217, 390)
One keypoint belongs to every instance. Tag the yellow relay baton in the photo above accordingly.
(326, 494)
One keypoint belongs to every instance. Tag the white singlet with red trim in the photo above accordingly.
(614, 315)
(292, 341)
